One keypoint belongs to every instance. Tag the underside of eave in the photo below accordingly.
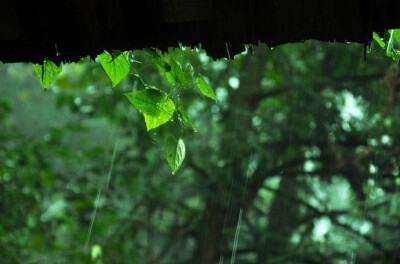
(68, 30)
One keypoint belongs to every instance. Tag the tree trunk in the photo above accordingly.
(225, 197)
(283, 219)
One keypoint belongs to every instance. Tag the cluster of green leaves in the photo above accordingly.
(390, 43)
(158, 106)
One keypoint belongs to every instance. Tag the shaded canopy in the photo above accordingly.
(66, 30)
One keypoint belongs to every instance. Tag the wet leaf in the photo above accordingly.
(47, 72)
(205, 87)
(396, 34)
(158, 60)
(156, 106)
(175, 152)
(177, 76)
(115, 65)
(379, 40)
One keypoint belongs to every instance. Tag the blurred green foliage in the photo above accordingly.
(301, 149)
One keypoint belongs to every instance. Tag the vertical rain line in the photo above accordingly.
(96, 205)
(112, 165)
(227, 50)
(100, 190)
(235, 242)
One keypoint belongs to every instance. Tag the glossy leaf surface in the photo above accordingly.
(116, 66)
(205, 88)
(47, 72)
(156, 107)
(175, 152)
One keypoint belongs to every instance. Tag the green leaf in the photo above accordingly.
(396, 43)
(47, 72)
(205, 87)
(378, 39)
(186, 79)
(156, 107)
(396, 34)
(116, 66)
(185, 116)
(158, 60)
(177, 76)
(391, 49)
(175, 152)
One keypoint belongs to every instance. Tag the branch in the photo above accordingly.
(332, 216)
(367, 238)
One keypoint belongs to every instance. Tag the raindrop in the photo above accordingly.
(57, 51)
